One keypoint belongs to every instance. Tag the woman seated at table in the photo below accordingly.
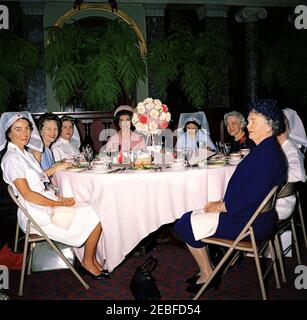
(262, 169)
(296, 171)
(68, 143)
(125, 139)
(49, 127)
(235, 124)
(22, 171)
(193, 132)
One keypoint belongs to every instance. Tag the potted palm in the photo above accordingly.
(94, 67)
(194, 62)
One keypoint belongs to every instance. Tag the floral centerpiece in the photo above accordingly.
(150, 115)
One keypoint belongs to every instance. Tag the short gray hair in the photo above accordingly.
(236, 114)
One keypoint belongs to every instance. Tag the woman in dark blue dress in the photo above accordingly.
(263, 168)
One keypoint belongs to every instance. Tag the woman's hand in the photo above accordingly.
(66, 202)
(214, 206)
(61, 166)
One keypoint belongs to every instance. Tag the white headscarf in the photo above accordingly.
(297, 131)
(8, 118)
(198, 117)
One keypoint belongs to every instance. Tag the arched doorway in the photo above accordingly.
(92, 14)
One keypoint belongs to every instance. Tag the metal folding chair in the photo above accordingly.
(239, 244)
(31, 239)
(287, 190)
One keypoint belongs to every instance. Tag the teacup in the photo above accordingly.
(179, 163)
(245, 152)
(101, 163)
(235, 156)
(69, 160)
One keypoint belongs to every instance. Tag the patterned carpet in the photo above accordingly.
(174, 266)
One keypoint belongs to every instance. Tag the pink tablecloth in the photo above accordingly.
(132, 205)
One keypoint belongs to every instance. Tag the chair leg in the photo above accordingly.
(232, 261)
(70, 266)
(32, 245)
(16, 237)
(280, 258)
(215, 271)
(297, 249)
(24, 262)
(273, 257)
(258, 267)
(301, 217)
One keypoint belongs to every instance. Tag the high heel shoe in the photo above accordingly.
(194, 288)
(85, 272)
(193, 279)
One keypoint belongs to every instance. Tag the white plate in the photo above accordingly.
(234, 162)
(76, 169)
(214, 166)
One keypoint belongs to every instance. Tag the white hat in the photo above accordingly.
(8, 118)
(297, 131)
(121, 108)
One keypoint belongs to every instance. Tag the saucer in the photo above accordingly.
(234, 162)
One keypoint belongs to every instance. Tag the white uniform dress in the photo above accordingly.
(296, 172)
(22, 164)
(62, 149)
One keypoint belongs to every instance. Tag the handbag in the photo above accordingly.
(143, 285)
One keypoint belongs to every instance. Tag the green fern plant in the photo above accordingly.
(195, 61)
(18, 64)
(101, 63)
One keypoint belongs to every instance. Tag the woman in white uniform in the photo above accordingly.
(296, 171)
(68, 143)
(59, 217)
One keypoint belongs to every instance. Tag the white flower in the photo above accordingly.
(149, 106)
(140, 108)
(163, 116)
(157, 102)
(153, 126)
(148, 100)
(135, 118)
(168, 117)
(154, 114)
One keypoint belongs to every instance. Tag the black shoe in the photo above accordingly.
(85, 272)
(105, 273)
(193, 279)
(194, 288)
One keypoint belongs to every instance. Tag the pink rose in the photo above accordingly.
(163, 124)
(144, 119)
(164, 107)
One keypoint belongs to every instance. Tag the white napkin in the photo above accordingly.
(204, 224)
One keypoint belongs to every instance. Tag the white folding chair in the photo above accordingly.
(32, 239)
(239, 244)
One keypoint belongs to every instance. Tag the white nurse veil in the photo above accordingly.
(75, 138)
(297, 131)
(8, 118)
(198, 117)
